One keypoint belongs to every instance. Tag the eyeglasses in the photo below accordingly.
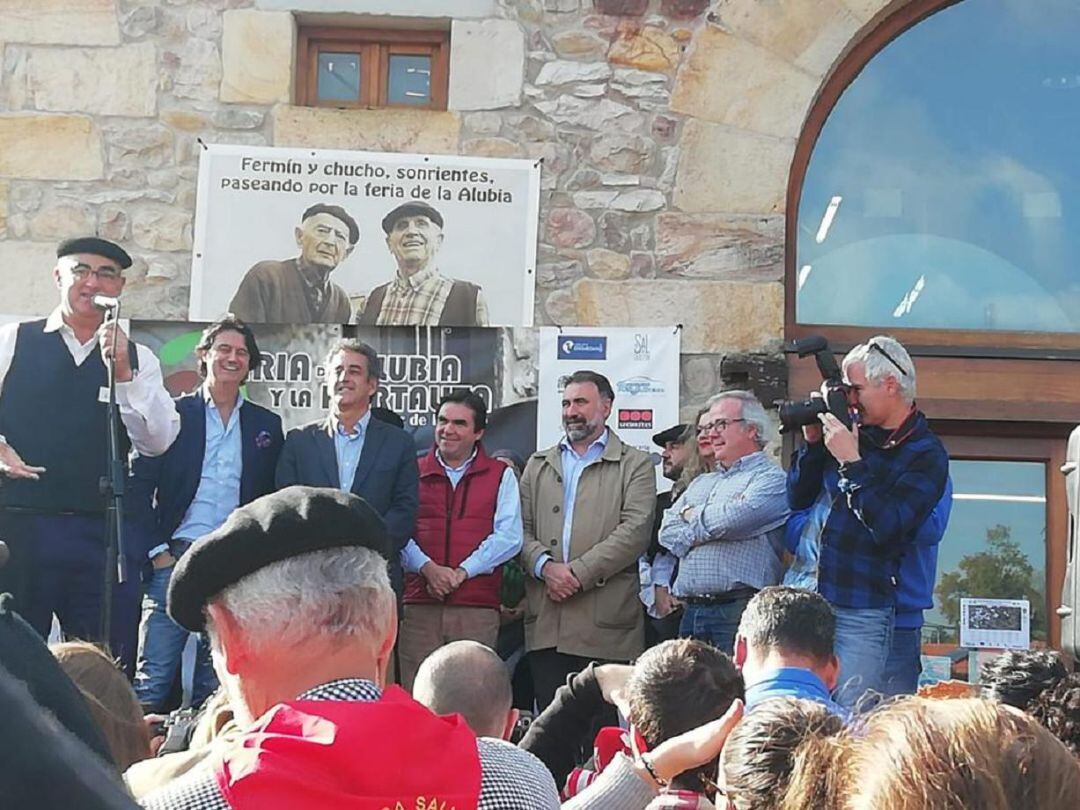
(888, 357)
(81, 272)
(718, 426)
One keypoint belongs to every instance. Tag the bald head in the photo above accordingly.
(467, 678)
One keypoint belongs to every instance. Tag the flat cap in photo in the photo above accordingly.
(337, 212)
(275, 527)
(672, 434)
(96, 246)
(411, 209)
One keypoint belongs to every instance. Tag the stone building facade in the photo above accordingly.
(666, 127)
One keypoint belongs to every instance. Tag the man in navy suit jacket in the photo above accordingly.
(225, 456)
(351, 451)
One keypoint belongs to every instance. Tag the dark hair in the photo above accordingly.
(463, 396)
(1058, 708)
(374, 367)
(230, 323)
(675, 687)
(337, 212)
(792, 619)
(603, 385)
(1017, 676)
(769, 747)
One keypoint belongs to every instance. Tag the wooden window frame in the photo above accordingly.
(973, 343)
(375, 46)
(978, 442)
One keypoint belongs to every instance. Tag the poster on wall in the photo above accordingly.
(377, 239)
(642, 365)
(419, 366)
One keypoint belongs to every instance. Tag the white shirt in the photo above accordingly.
(146, 409)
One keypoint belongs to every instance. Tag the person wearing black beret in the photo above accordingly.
(53, 429)
(420, 295)
(299, 290)
(294, 593)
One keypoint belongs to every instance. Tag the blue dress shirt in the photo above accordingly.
(347, 448)
(795, 683)
(219, 486)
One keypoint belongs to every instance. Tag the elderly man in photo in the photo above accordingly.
(294, 594)
(587, 506)
(420, 295)
(727, 528)
(874, 485)
(300, 290)
(54, 414)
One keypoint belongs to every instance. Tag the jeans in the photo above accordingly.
(716, 624)
(904, 664)
(161, 643)
(863, 639)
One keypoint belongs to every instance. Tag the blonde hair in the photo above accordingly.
(955, 754)
(109, 697)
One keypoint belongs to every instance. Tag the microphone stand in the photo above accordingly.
(112, 487)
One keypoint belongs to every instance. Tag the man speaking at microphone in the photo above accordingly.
(54, 447)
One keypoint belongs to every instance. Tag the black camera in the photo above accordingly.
(794, 415)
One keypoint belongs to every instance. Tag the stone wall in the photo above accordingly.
(667, 129)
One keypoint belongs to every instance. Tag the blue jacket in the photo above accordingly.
(162, 488)
(387, 476)
(918, 566)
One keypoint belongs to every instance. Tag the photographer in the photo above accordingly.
(874, 484)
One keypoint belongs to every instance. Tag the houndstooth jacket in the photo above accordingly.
(511, 779)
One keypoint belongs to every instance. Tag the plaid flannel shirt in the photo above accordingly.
(878, 504)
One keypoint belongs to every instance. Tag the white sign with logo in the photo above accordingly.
(642, 366)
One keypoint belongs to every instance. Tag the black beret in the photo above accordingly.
(338, 212)
(96, 246)
(275, 527)
(24, 655)
(411, 209)
(672, 434)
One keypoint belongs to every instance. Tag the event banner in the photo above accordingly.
(377, 239)
(642, 365)
(419, 366)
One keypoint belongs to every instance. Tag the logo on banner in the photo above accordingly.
(641, 418)
(583, 348)
(641, 347)
(636, 386)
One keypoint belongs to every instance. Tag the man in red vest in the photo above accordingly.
(467, 526)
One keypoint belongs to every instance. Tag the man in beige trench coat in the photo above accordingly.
(587, 509)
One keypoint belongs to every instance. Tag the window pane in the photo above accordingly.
(994, 548)
(339, 76)
(410, 80)
(944, 190)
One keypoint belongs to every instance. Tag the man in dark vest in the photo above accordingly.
(300, 290)
(467, 526)
(53, 414)
(420, 295)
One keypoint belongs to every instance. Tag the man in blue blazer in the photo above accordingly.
(351, 451)
(225, 456)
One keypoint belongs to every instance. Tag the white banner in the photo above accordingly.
(643, 367)
(459, 231)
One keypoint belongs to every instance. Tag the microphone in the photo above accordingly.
(106, 303)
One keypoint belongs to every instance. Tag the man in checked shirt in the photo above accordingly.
(871, 486)
(727, 528)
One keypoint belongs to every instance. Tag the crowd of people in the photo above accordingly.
(749, 639)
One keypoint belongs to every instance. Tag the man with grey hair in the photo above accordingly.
(869, 489)
(727, 527)
(467, 678)
(294, 594)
